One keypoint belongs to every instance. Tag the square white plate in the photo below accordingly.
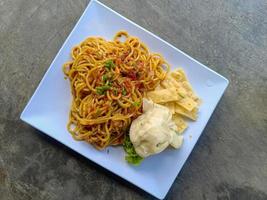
(48, 108)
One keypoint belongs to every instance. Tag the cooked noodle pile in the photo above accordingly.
(108, 80)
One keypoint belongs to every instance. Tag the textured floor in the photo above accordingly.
(230, 159)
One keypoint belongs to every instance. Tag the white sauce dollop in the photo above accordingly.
(154, 130)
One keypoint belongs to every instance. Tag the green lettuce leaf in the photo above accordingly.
(132, 157)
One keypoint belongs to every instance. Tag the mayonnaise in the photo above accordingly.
(154, 130)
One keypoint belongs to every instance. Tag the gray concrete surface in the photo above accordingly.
(230, 159)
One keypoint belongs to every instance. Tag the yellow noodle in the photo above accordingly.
(108, 80)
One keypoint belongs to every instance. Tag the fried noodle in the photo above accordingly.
(108, 80)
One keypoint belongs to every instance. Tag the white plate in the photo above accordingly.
(48, 108)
